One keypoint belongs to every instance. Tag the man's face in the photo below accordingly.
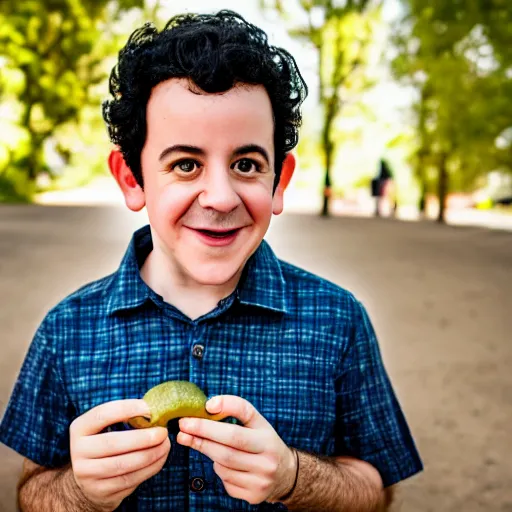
(208, 170)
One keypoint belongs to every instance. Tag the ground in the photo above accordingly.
(440, 299)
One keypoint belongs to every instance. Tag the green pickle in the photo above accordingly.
(174, 399)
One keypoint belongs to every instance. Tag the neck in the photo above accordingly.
(191, 298)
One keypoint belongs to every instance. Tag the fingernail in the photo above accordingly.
(185, 423)
(145, 407)
(213, 403)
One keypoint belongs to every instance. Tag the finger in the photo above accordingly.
(109, 486)
(235, 436)
(236, 492)
(239, 408)
(104, 415)
(110, 467)
(241, 479)
(225, 455)
(115, 443)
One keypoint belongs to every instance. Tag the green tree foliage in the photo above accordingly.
(51, 52)
(341, 33)
(458, 56)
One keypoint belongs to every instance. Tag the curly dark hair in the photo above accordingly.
(216, 52)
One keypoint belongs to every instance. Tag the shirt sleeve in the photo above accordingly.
(370, 423)
(36, 421)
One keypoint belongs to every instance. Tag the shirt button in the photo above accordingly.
(198, 351)
(196, 484)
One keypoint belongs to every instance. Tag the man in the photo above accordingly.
(205, 114)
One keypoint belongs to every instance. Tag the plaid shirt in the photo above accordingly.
(299, 348)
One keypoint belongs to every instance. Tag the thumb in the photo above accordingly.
(239, 408)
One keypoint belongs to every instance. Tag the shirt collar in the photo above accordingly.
(262, 283)
(128, 290)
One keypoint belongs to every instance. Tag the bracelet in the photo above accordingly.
(290, 492)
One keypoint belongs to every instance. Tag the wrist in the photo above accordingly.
(293, 472)
(79, 499)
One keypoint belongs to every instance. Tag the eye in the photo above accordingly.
(186, 166)
(246, 165)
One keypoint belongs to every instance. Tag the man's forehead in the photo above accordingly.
(183, 89)
(181, 112)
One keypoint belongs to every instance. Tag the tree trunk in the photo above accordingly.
(35, 157)
(422, 201)
(328, 151)
(424, 150)
(32, 155)
(442, 190)
(327, 193)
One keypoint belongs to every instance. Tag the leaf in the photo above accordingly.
(53, 52)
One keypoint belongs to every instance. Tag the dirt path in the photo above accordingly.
(440, 299)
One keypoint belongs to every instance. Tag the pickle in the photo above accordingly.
(173, 399)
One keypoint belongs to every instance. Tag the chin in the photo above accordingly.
(214, 274)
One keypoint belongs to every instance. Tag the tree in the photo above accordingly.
(55, 48)
(341, 33)
(464, 102)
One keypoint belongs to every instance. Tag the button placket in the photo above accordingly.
(198, 480)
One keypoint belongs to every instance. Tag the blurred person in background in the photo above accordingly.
(204, 115)
(384, 190)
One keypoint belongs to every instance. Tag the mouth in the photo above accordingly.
(217, 233)
(217, 237)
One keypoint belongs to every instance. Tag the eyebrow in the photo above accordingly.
(242, 150)
(181, 148)
(252, 148)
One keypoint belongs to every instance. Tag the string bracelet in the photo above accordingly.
(290, 492)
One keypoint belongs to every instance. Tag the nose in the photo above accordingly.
(218, 191)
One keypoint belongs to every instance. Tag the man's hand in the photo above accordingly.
(108, 467)
(253, 462)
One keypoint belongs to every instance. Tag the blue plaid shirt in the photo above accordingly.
(299, 348)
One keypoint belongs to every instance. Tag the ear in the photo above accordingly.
(133, 194)
(286, 175)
